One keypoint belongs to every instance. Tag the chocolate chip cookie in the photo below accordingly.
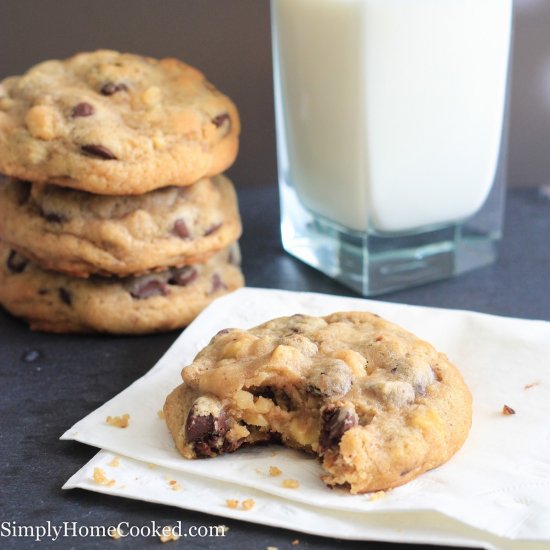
(377, 405)
(163, 301)
(115, 123)
(80, 233)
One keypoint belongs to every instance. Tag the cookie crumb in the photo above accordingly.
(531, 385)
(290, 484)
(174, 485)
(272, 548)
(160, 414)
(116, 533)
(507, 411)
(101, 479)
(151, 466)
(295, 542)
(232, 503)
(248, 504)
(274, 471)
(115, 463)
(168, 534)
(118, 421)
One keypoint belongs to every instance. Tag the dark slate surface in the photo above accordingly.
(49, 382)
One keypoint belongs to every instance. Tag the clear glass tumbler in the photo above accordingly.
(391, 123)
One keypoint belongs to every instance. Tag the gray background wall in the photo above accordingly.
(229, 40)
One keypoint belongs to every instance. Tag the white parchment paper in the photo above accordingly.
(497, 484)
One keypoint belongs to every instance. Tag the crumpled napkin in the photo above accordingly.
(496, 488)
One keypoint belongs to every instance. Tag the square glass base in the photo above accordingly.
(373, 264)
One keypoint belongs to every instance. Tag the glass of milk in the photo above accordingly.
(391, 135)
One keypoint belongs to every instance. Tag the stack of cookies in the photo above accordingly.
(114, 214)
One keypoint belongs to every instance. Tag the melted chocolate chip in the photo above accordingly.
(15, 262)
(65, 296)
(181, 229)
(206, 432)
(212, 229)
(222, 119)
(149, 289)
(82, 109)
(99, 151)
(110, 88)
(198, 427)
(279, 396)
(183, 276)
(335, 422)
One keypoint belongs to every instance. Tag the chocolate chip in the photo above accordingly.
(181, 229)
(15, 262)
(83, 109)
(198, 427)
(262, 391)
(24, 191)
(222, 119)
(335, 422)
(52, 217)
(329, 379)
(277, 395)
(110, 88)
(206, 431)
(183, 276)
(65, 296)
(99, 151)
(212, 229)
(43, 291)
(148, 289)
(217, 283)
(224, 331)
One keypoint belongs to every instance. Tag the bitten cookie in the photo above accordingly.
(163, 301)
(378, 405)
(80, 233)
(114, 123)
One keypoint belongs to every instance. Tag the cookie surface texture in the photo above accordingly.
(163, 301)
(80, 233)
(115, 123)
(378, 405)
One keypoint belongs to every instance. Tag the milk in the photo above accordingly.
(390, 112)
